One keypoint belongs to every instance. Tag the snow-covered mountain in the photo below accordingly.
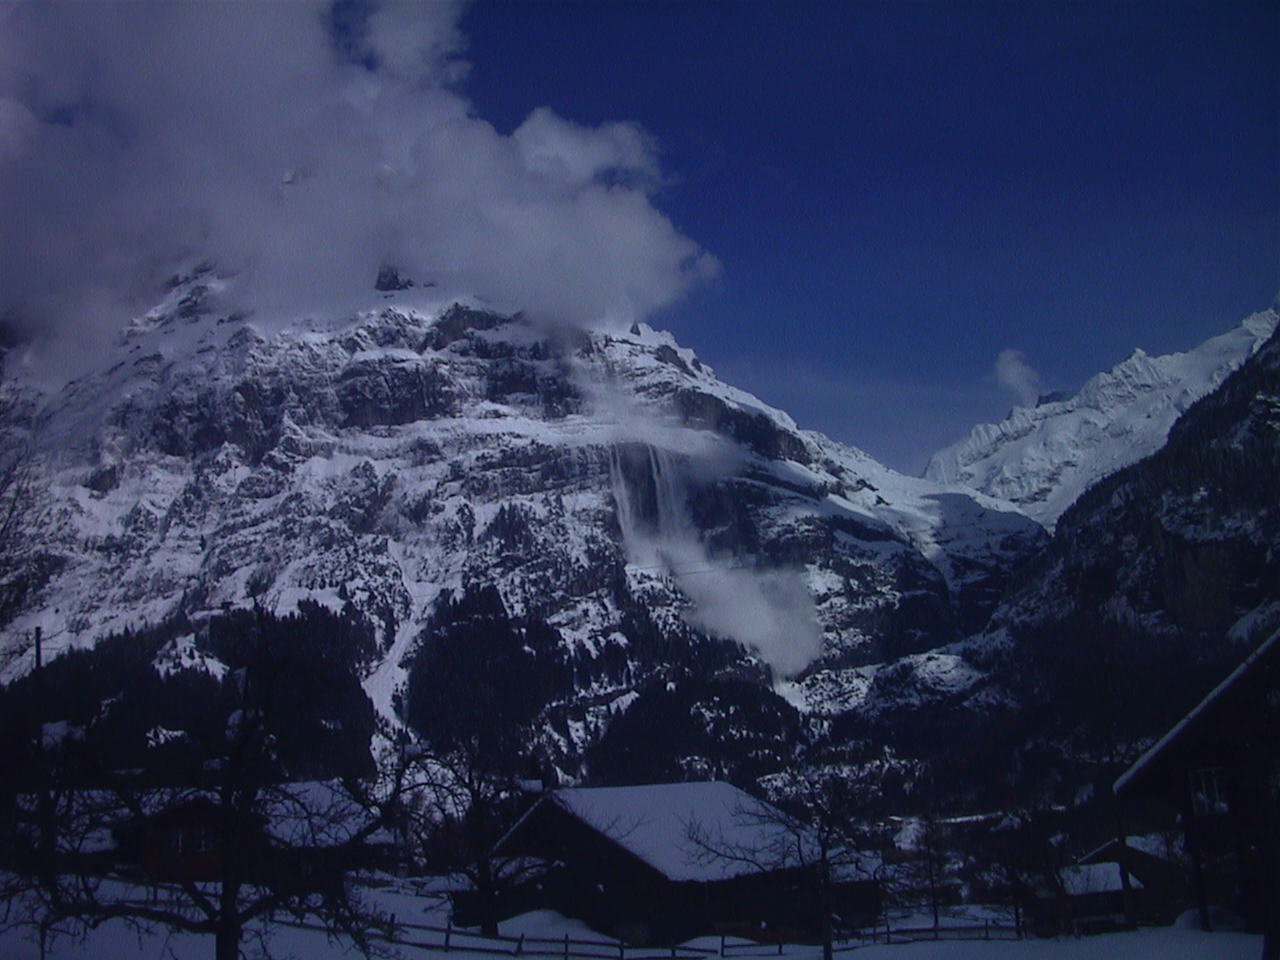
(1043, 457)
(586, 535)
(608, 485)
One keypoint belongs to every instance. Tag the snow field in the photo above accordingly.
(115, 941)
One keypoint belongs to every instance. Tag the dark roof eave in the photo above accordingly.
(1133, 779)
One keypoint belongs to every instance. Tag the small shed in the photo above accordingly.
(1160, 881)
(1087, 898)
(664, 862)
(1219, 767)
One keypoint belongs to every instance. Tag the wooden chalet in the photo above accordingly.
(304, 833)
(1219, 768)
(664, 862)
(184, 840)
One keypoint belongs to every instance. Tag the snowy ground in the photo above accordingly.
(1165, 943)
(115, 940)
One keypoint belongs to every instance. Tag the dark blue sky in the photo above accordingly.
(898, 191)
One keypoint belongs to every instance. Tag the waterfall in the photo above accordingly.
(652, 510)
(770, 611)
(671, 514)
(623, 504)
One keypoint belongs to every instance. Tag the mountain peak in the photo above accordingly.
(1042, 458)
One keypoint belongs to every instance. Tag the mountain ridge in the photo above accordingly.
(1042, 458)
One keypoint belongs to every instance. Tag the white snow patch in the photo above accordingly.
(181, 653)
(1102, 877)
(662, 824)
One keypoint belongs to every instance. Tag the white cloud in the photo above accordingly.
(1017, 376)
(576, 155)
(417, 42)
(17, 127)
(134, 135)
(770, 611)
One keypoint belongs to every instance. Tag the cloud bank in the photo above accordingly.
(303, 146)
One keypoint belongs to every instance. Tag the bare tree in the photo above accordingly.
(207, 859)
(815, 835)
(1022, 856)
(218, 842)
(455, 805)
(919, 876)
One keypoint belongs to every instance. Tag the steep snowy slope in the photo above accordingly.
(608, 485)
(1042, 458)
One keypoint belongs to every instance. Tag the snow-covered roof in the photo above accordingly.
(1095, 878)
(1153, 845)
(1127, 778)
(316, 813)
(692, 831)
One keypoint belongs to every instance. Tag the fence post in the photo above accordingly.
(448, 932)
(986, 929)
(520, 945)
(621, 954)
(779, 948)
(722, 944)
(566, 946)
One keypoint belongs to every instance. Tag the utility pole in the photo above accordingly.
(44, 802)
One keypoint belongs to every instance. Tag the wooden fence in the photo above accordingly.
(749, 949)
(451, 939)
(986, 930)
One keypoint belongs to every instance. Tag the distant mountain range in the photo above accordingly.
(1042, 458)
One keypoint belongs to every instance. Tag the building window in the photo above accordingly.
(193, 839)
(1206, 795)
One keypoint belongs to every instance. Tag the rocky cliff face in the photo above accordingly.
(607, 486)
(1042, 458)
